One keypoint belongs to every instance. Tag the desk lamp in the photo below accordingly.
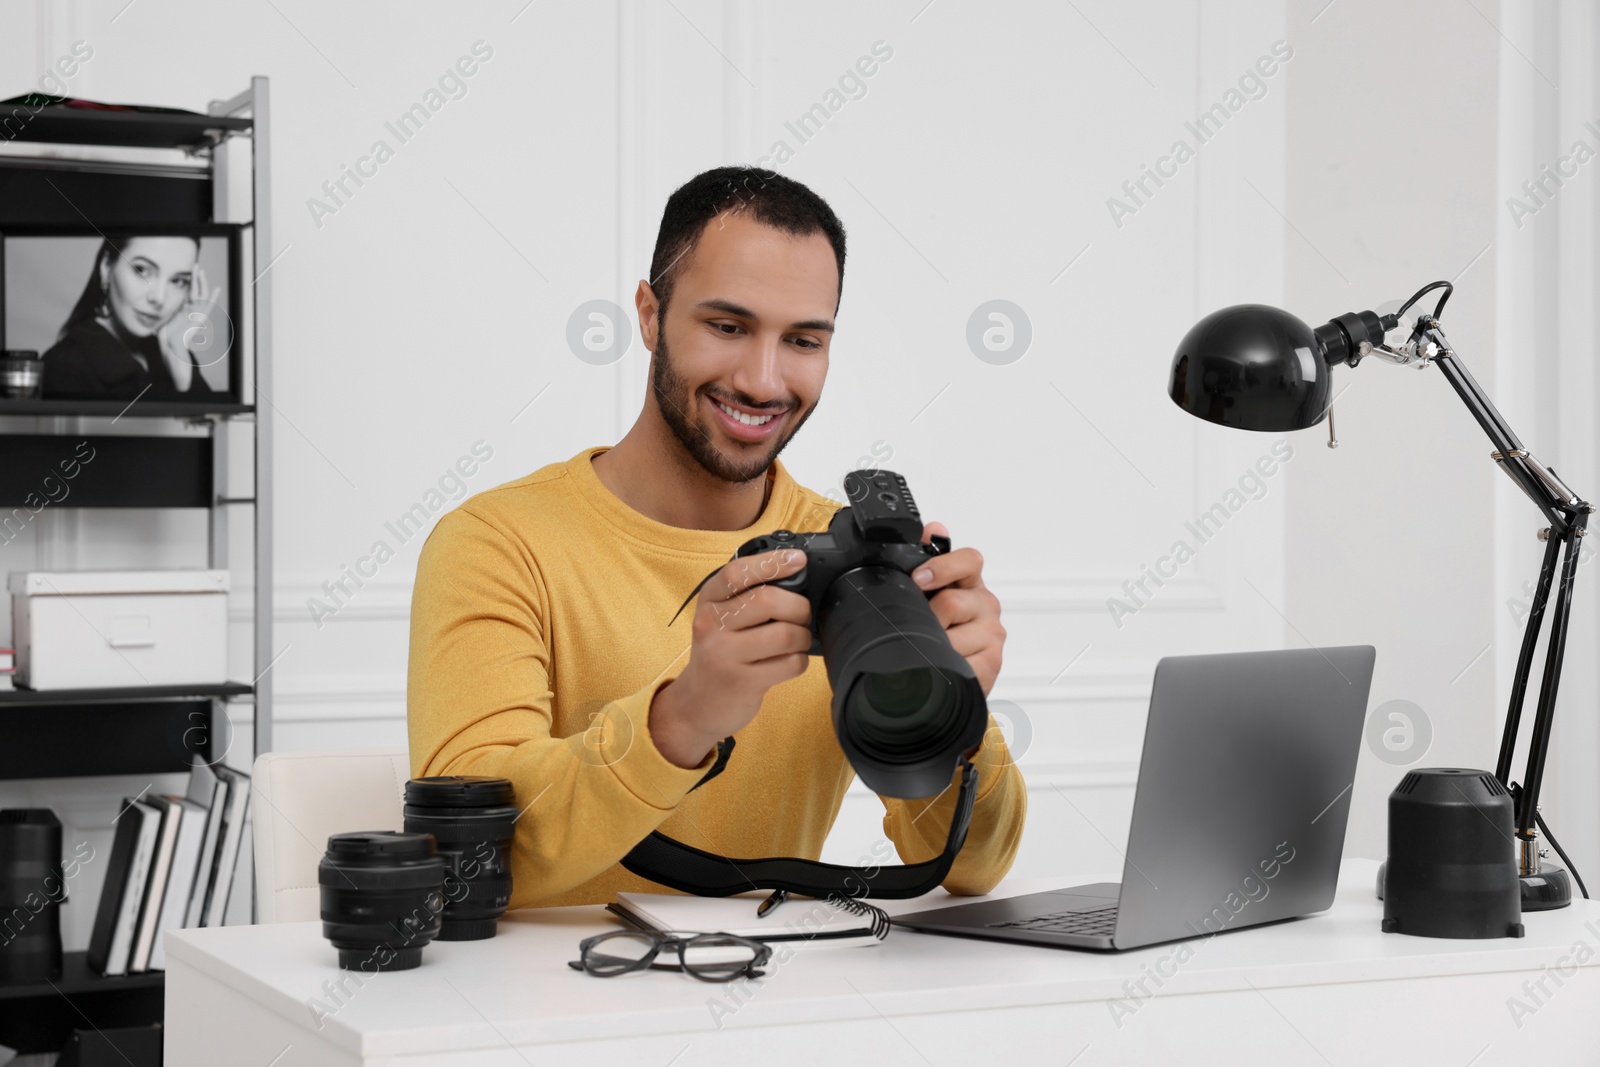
(1255, 367)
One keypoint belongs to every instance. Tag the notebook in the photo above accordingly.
(232, 831)
(155, 893)
(840, 921)
(180, 877)
(211, 794)
(137, 825)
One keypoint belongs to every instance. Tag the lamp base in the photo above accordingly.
(1548, 890)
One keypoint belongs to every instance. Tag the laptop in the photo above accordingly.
(1238, 815)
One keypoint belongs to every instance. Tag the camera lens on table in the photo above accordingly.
(472, 819)
(382, 897)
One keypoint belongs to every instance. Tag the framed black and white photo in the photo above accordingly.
(150, 315)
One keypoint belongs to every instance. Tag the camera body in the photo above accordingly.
(880, 528)
(906, 705)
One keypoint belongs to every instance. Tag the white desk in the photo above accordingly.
(1326, 990)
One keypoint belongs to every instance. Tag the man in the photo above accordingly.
(540, 644)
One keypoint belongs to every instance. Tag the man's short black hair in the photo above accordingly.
(771, 199)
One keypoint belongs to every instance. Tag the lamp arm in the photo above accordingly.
(1568, 515)
(1548, 492)
(1539, 741)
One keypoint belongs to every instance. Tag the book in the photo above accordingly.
(181, 876)
(207, 791)
(233, 823)
(156, 886)
(137, 825)
(839, 921)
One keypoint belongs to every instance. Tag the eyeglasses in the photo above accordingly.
(708, 957)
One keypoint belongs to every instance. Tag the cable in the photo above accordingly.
(1557, 846)
(1448, 288)
(1439, 308)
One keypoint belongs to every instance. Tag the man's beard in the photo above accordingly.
(675, 403)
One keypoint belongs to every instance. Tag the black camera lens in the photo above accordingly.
(903, 712)
(898, 694)
(32, 888)
(473, 820)
(906, 704)
(382, 895)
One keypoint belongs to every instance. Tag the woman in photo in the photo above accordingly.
(146, 303)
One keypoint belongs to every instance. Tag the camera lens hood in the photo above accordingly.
(877, 629)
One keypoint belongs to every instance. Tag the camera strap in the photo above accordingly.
(692, 870)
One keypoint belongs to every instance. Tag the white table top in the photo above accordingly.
(517, 987)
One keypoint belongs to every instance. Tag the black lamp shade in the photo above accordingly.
(1252, 367)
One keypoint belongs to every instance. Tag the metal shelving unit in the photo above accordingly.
(144, 729)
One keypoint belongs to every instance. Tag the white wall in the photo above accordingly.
(432, 308)
(1547, 278)
(1391, 162)
(1402, 163)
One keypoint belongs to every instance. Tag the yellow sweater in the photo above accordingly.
(539, 636)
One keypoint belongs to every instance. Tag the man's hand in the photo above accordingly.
(964, 606)
(747, 637)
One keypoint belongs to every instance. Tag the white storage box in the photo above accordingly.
(100, 629)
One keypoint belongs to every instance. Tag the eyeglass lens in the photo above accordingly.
(720, 957)
(618, 952)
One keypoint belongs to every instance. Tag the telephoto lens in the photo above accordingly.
(472, 819)
(31, 890)
(382, 895)
(906, 704)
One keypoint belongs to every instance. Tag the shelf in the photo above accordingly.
(116, 472)
(78, 977)
(103, 735)
(144, 409)
(68, 125)
(132, 694)
(37, 1018)
(61, 193)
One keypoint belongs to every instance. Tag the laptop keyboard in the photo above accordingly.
(1096, 922)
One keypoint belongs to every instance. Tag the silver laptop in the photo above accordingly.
(1238, 816)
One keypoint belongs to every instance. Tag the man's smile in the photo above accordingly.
(744, 424)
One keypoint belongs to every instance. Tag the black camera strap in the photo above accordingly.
(692, 870)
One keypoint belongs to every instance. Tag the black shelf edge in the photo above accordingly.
(105, 471)
(78, 977)
(121, 695)
(123, 129)
(144, 409)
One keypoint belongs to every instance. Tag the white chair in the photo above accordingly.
(300, 798)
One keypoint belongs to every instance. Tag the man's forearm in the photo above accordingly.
(672, 729)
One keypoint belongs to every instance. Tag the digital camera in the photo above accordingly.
(906, 705)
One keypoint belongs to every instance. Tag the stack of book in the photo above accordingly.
(8, 667)
(172, 865)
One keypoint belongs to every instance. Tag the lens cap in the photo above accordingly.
(380, 846)
(460, 791)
